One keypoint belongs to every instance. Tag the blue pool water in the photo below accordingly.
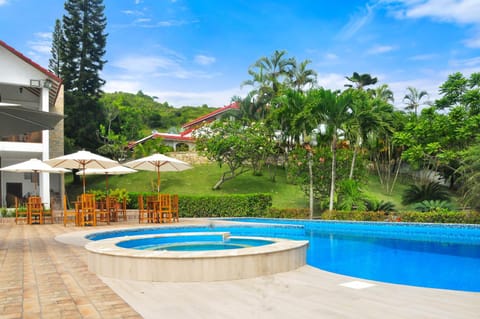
(426, 255)
(192, 243)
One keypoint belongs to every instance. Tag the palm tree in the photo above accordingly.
(383, 93)
(333, 110)
(273, 70)
(367, 116)
(360, 80)
(413, 99)
(301, 77)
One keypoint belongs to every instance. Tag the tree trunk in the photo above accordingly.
(334, 158)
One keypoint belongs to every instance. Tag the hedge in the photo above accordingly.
(237, 205)
(467, 217)
(463, 217)
(354, 215)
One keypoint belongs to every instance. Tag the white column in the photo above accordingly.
(45, 177)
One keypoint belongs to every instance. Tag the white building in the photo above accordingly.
(26, 83)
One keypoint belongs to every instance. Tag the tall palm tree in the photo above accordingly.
(274, 69)
(333, 110)
(413, 99)
(360, 80)
(302, 77)
(383, 93)
(367, 115)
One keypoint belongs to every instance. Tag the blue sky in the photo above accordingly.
(194, 52)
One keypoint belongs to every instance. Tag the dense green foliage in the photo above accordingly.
(80, 54)
(241, 205)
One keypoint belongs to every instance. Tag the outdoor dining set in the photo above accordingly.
(86, 210)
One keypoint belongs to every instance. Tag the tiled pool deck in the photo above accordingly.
(43, 278)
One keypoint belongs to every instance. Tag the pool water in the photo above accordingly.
(193, 243)
(434, 256)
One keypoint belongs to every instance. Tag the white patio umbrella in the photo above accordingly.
(82, 160)
(158, 162)
(17, 119)
(116, 170)
(34, 166)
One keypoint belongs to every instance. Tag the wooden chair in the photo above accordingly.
(69, 216)
(102, 211)
(142, 211)
(112, 207)
(174, 207)
(35, 210)
(21, 215)
(152, 208)
(87, 210)
(122, 209)
(165, 209)
(48, 215)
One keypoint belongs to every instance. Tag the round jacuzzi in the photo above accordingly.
(203, 256)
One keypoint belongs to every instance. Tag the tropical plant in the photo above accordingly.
(434, 205)
(375, 205)
(360, 81)
(350, 196)
(413, 99)
(301, 77)
(430, 191)
(332, 109)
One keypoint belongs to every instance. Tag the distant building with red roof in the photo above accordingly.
(185, 139)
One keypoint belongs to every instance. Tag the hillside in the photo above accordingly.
(200, 179)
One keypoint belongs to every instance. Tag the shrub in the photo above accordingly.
(354, 215)
(292, 213)
(430, 191)
(434, 205)
(375, 205)
(441, 216)
(239, 205)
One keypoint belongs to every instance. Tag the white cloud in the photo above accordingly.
(204, 60)
(145, 64)
(457, 11)
(332, 81)
(423, 57)
(331, 56)
(177, 98)
(379, 49)
(3, 2)
(357, 22)
(473, 42)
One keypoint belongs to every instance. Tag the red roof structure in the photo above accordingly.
(186, 135)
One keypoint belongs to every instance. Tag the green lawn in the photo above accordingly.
(200, 179)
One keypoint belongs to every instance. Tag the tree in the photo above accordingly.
(460, 91)
(360, 80)
(368, 115)
(383, 93)
(333, 110)
(301, 77)
(81, 60)
(413, 99)
(469, 171)
(236, 145)
(55, 62)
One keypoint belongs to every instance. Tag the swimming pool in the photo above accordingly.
(204, 242)
(426, 255)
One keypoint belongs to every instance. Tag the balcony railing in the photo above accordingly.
(33, 137)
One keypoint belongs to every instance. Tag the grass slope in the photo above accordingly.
(200, 180)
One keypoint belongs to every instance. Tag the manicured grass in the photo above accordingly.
(201, 179)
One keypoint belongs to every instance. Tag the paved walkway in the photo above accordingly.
(44, 278)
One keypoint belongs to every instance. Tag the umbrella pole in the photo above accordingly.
(84, 179)
(158, 180)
